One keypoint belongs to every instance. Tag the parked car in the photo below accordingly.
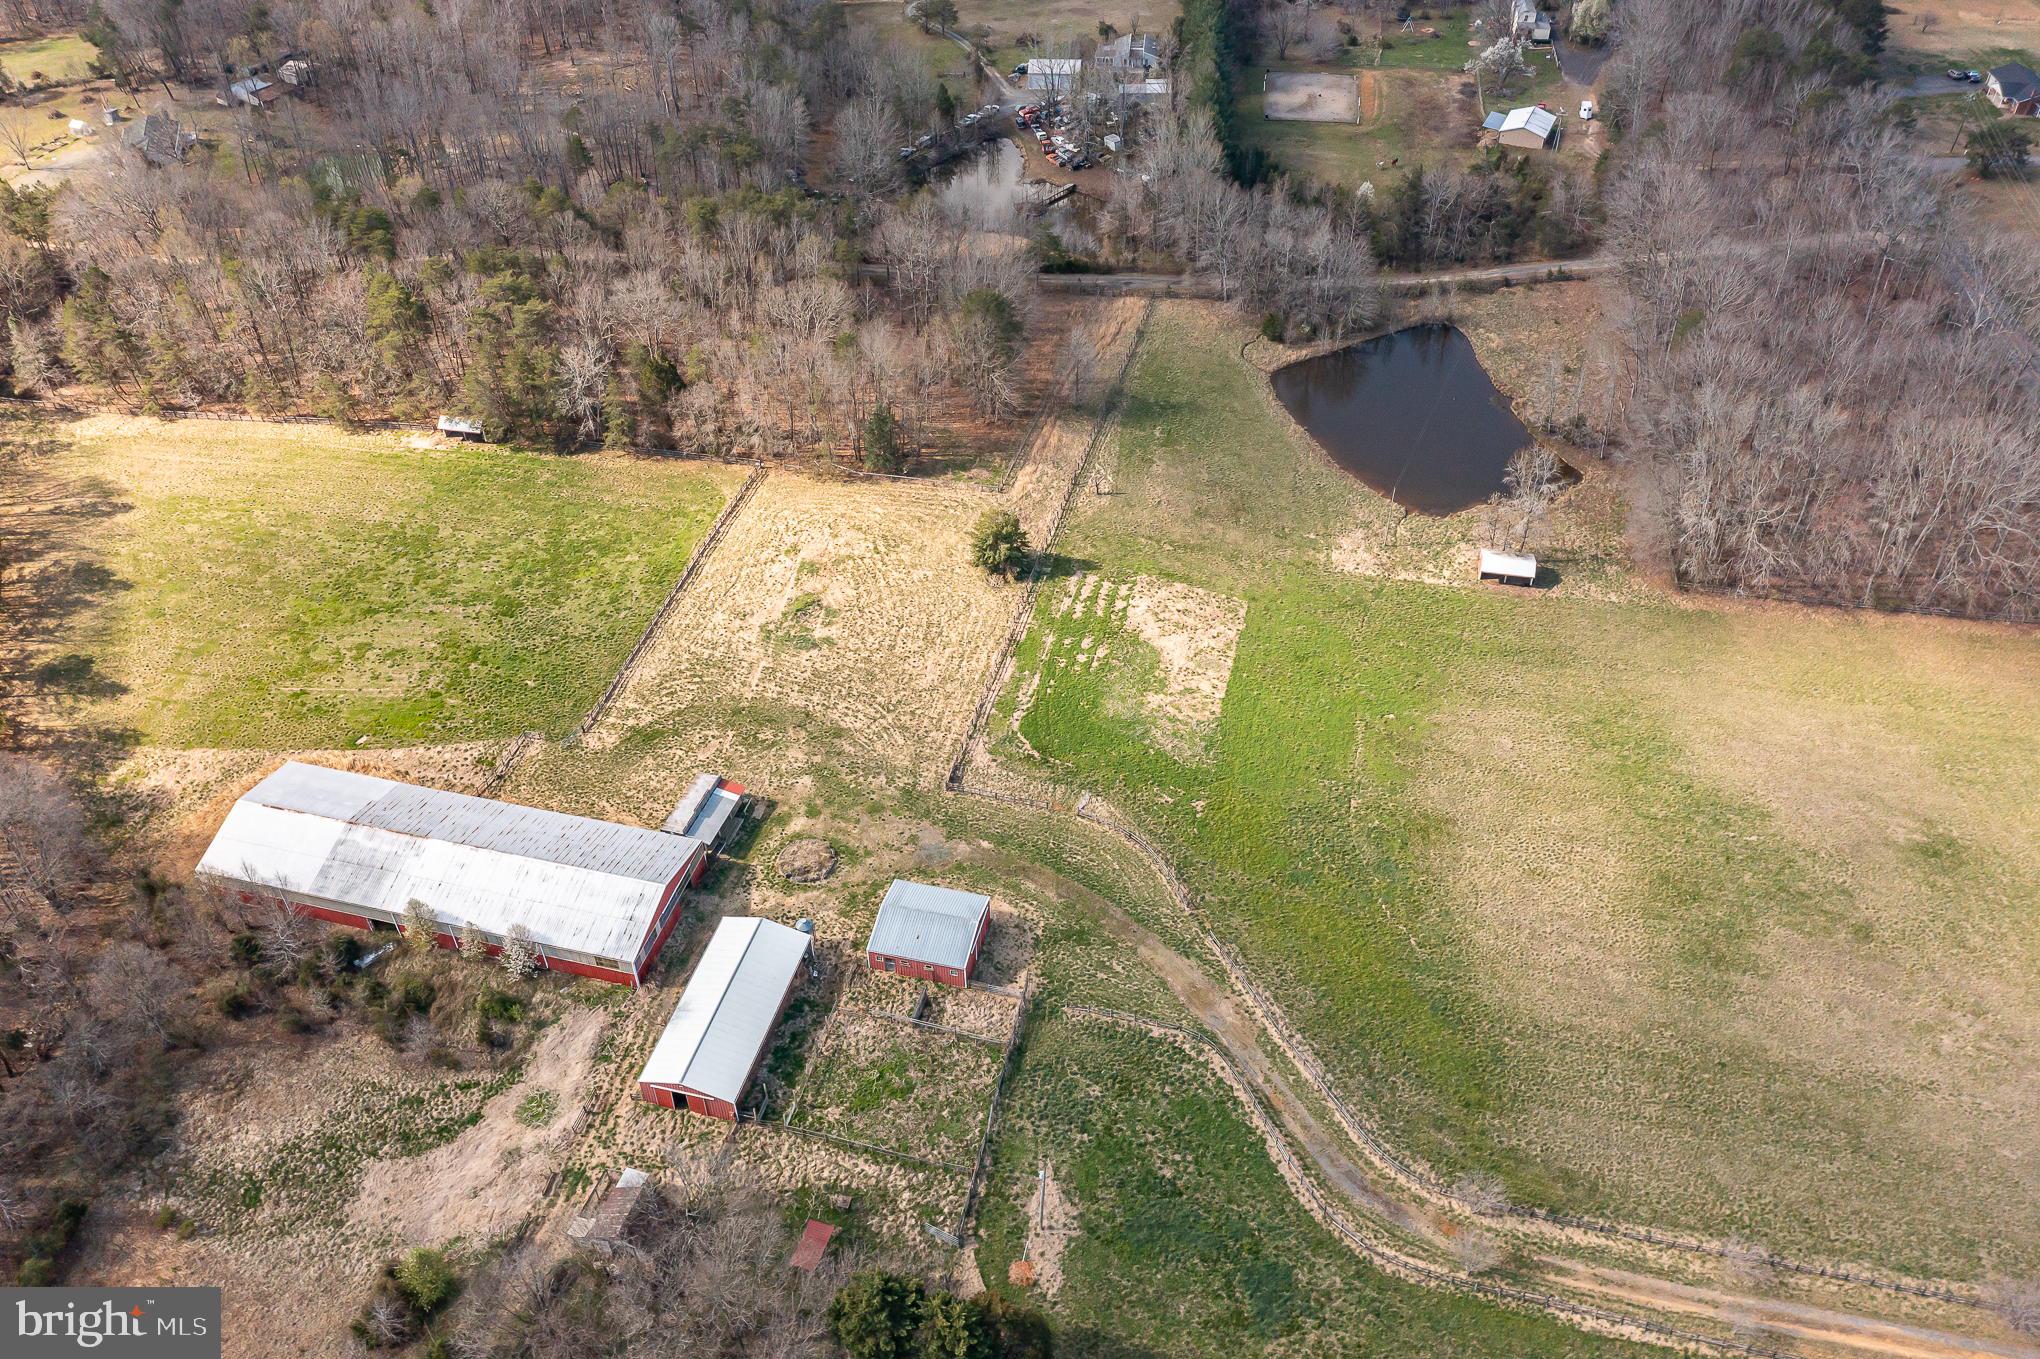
(989, 108)
(923, 142)
(1976, 77)
(1587, 110)
(906, 152)
(969, 118)
(1956, 73)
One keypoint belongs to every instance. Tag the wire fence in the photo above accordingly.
(1023, 613)
(630, 664)
(978, 1168)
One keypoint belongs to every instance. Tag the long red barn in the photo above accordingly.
(594, 898)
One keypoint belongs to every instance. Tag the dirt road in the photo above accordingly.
(1238, 1035)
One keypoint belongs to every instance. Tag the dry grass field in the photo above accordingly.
(1964, 26)
(1708, 915)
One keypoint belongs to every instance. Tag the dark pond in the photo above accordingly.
(1412, 414)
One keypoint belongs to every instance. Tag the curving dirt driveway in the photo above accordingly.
(1238, 1034)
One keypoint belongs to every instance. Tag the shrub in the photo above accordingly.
(875, 1315)
(538, 1109)
(344, 949)
(426, 1278)
(499, 1007)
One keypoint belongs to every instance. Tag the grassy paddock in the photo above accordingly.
(285, 586)
(1185, 1240)
(59, 57)
(1703, 916)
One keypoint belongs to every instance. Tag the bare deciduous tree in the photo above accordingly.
(42, 832)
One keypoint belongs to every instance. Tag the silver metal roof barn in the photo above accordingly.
(936, 925)
(583, 888)
(726, 1014)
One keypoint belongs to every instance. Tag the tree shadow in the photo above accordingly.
(1088, 1342)
(1061, 566)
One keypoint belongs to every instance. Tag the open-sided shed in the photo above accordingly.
(1508, 568)
(708, 810)
(933, 933)
(594, 897)
(724, 1021)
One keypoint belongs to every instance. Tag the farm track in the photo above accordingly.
(1385, 1186)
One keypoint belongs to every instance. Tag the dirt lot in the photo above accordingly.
(1307, 97)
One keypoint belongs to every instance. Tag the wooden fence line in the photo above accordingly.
(977, 1174)
(644, 641)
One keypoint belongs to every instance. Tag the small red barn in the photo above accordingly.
(934, 933)
(724, 1021)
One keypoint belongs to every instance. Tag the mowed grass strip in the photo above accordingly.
(1719, 919)
(297, 587)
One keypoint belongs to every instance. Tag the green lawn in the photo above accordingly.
(58, 58)
(1188, 1243)
(284, 586)
(1710, 918)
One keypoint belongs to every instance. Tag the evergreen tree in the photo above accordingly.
(884, 450)
(998, 543)
(876, 1314)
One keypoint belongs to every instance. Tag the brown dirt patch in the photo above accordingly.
(1312, 97)
(1195, 633)
(806, 861)
(485, 1181)
(1051, 1226)
(1370, 98)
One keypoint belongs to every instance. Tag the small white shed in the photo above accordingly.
(1508, 568)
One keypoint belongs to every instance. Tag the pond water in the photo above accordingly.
(1412, 414)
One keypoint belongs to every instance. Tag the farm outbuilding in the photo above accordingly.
(594, 898)
(1528, 129)
(723, 1024)
(1052, 75)
(460, 427)
(708, 811)
(1508, 568)
(934, 933)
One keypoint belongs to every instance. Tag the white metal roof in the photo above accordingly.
(1538, 121)
(1494, 563)
(705, 810)
(928, 924)
(726, 1014)
(577, 884)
